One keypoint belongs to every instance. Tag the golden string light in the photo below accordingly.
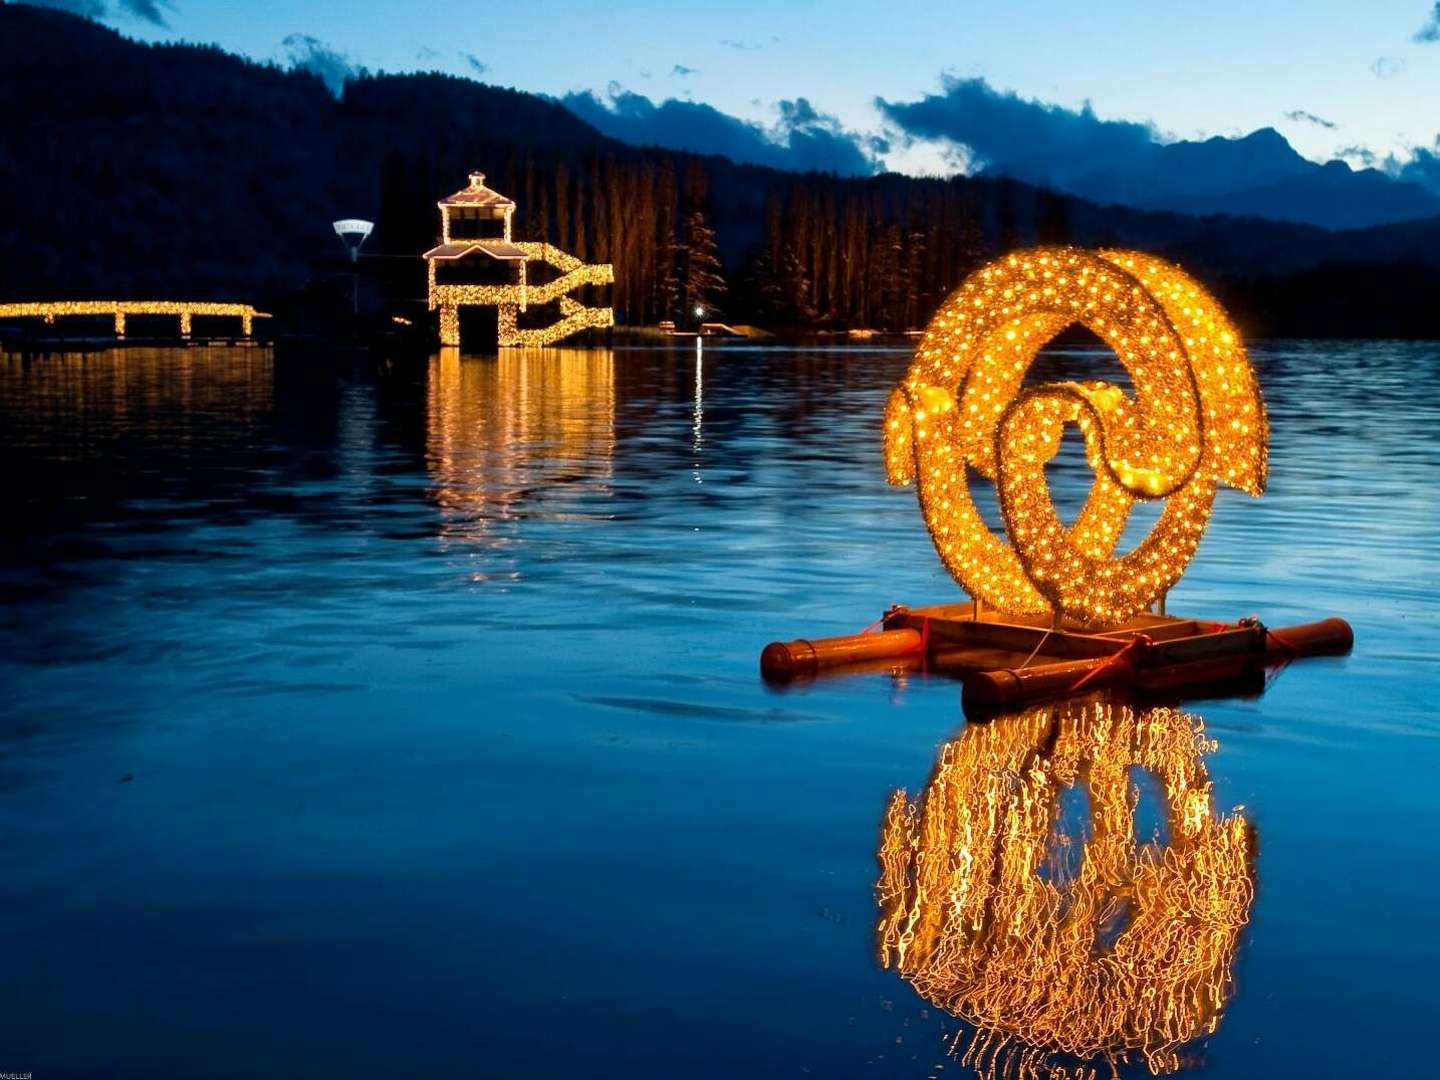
(1061, 948)
(511, 298)
(185, 310)
(1196, 420)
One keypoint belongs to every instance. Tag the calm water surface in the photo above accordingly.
(407, 719)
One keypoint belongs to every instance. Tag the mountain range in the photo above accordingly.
(1260, 175)
(1133, 164)
(1109, 162)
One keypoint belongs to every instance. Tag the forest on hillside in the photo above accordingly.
(817, 251)
(166, 170)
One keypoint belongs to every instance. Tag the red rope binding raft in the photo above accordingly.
(874, 625)
(1114, 659)
(923, 647)
(1289, 646)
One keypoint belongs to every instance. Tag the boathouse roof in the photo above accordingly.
(495, 248)
(476, 194)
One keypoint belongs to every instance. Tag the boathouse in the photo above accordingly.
(478, 263)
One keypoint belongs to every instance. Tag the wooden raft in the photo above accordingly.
(1011, 660)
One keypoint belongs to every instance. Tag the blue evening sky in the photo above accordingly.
(1224, 67)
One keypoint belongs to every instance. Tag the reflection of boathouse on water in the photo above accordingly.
(530, 427)
(478, 264)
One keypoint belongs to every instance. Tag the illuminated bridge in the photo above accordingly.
(185, 310)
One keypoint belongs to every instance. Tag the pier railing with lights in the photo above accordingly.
(118, 310)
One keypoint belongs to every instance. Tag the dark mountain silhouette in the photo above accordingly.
(1261, 175)
(173, 170)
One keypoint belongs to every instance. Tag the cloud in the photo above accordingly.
(307, 53)
(148, 10)
(1421, 167)
(87, 9)
(478, 66)
(1122, 161)
(1361, 154)
(740, 46)
(801, 124)
(1429, 32)
(1386, 66)
(427, 54)
(1029, 140)
(1301, 116)
(680, 71)
(802, 139)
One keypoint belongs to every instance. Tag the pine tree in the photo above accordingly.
(665, 296)
(701, 278)
(797, 284)
(777, 292)
(577, 237)
(563, 214)
(915, 305)
(890, 279)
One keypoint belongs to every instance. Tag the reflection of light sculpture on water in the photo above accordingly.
(1056, 945)
(501, 430)
(1196, 420)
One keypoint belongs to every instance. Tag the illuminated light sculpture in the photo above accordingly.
(475, 233)
(119, 309)
(1053, 945)
(1197, 420)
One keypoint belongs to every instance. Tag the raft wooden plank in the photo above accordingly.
(1203, 647)
(1011, 637)
(969, 661)
(1224, 669)
(1166, 631)
(1206, 646)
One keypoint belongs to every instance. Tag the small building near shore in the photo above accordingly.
(478, 263)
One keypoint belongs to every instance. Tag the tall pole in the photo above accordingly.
(352, 233)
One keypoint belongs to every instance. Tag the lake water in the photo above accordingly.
(405, 719)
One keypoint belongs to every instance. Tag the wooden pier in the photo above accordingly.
(119, 311)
